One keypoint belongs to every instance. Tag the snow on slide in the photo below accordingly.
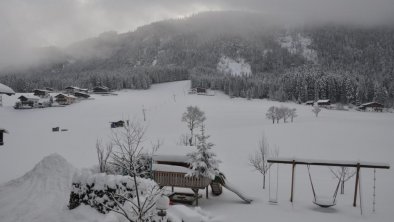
(232, 188)
(42, 195)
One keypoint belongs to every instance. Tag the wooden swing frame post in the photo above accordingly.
(356, 185)
(292, 181)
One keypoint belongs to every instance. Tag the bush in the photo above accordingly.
(104, 192)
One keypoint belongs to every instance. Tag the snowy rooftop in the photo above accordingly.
(169, 168)
(171, 158)
(3, 130)
(6, 90)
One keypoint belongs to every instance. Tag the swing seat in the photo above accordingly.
(324, 201)
(273, 201)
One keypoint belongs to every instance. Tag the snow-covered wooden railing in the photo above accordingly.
(357, 164)
(180, 180)
(175, 176)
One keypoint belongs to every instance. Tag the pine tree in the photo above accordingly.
(203, 162)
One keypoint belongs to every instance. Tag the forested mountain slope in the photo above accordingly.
(243, 54)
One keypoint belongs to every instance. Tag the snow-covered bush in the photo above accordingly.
(112, 193)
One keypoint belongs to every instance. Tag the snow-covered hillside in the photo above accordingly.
(235, 126)
(237, 67)
(299, 44)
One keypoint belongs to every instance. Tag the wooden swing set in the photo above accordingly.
(319, 200)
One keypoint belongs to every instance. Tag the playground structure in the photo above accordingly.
(324, 202)
(171, 171)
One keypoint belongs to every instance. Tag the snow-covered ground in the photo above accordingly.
(235, 126)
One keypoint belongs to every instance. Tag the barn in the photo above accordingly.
(371, 107)
(64, 99)
(101, 89)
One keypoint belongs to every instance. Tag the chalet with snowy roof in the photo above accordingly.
(2, 131)
(81, 95)
(41, 92)
(64, 99)
(323, 102)
(101, 89)
(73, 89)
(26, 102)
(371, 107)
(310, 102)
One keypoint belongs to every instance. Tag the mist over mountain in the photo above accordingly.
(242, 53)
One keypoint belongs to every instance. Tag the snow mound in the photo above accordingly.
(40, 195)
(233, 67)
(49, 169)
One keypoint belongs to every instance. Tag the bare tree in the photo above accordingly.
(316, 110)
(283, 112)
(128, 155)
(271, 114)
(103, 155)
(193, 117)
(132, 211)
(343, 174)
(292, 113)
(258, 160)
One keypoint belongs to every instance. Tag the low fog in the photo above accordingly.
(28, 24)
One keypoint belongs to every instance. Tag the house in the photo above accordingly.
(26, 102)
(310, 103)
(41, 92)
(101, 89)
(198, 90)
(49, 89)
(81, 95)
(371, 107)
(64, 99)
(73, 89)
(2, 131)
(323, 102)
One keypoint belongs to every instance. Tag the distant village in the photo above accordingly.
(48, 97)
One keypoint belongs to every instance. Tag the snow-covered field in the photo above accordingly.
(235, 126)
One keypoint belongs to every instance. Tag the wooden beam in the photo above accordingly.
(329, 163)
(292, 182)
(356, 186)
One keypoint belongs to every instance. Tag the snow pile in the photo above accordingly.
(298, 44)
(39, 195)
(98, 190)
(186, 214)
(233, 67)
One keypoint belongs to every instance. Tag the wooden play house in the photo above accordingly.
(169, 170)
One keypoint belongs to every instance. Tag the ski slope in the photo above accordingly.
(235, 126)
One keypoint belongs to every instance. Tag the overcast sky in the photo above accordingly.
(27, 23)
